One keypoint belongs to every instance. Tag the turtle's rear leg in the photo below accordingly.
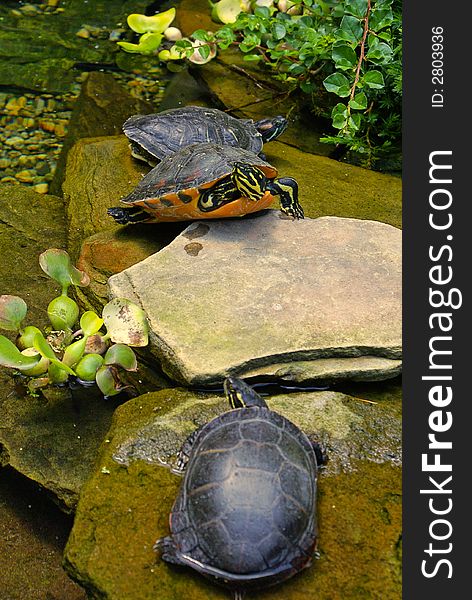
(168, 550)
(287, 189)
(132, 214)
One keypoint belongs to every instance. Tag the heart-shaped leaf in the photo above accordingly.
(125, 322)
(57, 264)
(156, 23)
(12, 312)
(90, 322)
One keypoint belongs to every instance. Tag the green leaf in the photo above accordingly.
(338, 84)
(380, 54)
(149, 42)
(359, 102)
(204, 51)
(202, 35)
(374, 80)
(121, 355)
(26, 339)
(90, 323)
(344, 56)
(11, 357)
(226, 11)
(57, 264)
(156, 23)
(12, 312)
(252, 57)
(108, 380)
(57, 374)
(380, 18)
(125, 322)
(350, 30)
(42, 346)
(279, 30)
(63, 313)
(74, 352)
(355, 121)
(357, 8)
(88, 366)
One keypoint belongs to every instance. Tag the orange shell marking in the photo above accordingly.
(180, 211)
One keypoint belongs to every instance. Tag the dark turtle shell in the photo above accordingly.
(165, 133)
(191, 168)
(245, 514)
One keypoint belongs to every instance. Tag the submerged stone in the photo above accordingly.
(125, 505)
(267, 291)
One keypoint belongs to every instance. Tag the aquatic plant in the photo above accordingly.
(87, 352)
(346, 55)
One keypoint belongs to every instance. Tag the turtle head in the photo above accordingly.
(250, 181)
(271, 128)
(240, 394)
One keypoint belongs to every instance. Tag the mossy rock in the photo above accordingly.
(125, 505)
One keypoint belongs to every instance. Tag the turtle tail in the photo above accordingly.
(133, 214)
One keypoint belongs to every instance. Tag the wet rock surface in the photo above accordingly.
(33, 533)
(48, 62)
(265, 291)
(100, 110)
(124, 507)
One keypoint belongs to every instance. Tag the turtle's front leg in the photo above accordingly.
(287, 189)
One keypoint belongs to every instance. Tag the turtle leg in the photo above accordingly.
(185, 452)
(132, 214)
(168, 550)
(287, 189)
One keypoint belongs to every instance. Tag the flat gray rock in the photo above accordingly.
(228, 297)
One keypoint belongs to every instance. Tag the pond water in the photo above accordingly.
(63, 80)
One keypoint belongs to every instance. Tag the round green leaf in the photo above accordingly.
(338, 84)
(57, 374)
(350, 29)
(40, 368)
(26, 339)
(12, 312)
(125, 322)
(57, 264)
(88, 366)
(226, 11)
(90, 322)
(279, 30)
(149, 42)
(108, 380)
(11, 357)
(356, 7)
(156, 23)
(359, 102)
(344, 56)
(380, 54)
(121, 355)
(63, 313)
(380, 18)
(374, 80)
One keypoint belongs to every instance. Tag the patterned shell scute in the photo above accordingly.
(247, 502)
(193, 167)
(167, 132)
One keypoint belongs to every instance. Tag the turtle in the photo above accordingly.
(207, 181)
(153, 137)
(245, 515)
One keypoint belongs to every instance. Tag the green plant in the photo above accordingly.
(346, 55)
(86, 353)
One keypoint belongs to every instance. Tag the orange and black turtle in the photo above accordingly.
(208, 181)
